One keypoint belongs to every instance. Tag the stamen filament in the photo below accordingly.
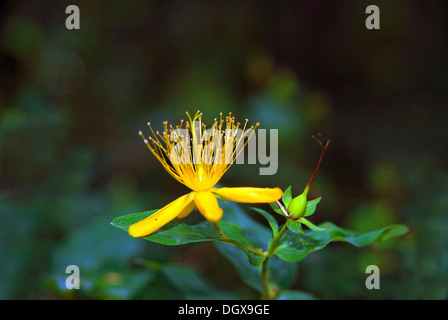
(198, 157)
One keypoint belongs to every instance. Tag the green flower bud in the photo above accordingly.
(297, 206)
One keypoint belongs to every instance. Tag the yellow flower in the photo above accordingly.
(198, 157)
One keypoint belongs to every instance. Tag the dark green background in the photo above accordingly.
(72, 102)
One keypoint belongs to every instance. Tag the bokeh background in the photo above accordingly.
(72, 102)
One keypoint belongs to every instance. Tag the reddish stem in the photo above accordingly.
(323, 144)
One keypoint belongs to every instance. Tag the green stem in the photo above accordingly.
(222, 234)
(264, 279)
(264, 269)
(276, 240)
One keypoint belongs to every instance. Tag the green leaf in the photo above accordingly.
(271, 220)
(310, 225)
(287, 196)
(252, 229)
(177, 232)
(249, 274)
(295, 247)
(282, 274)
(274, 206)
(311, 206)
(173, 233)
(294, 226)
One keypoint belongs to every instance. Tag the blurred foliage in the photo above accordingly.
(72, 102)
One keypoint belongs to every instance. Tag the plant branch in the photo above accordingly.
(264, 269)
(222, 234)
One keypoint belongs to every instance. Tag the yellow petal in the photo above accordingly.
(250, 195)
(163, 216)
(207, 204)
(189, 208)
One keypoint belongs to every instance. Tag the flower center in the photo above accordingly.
(196, 156)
